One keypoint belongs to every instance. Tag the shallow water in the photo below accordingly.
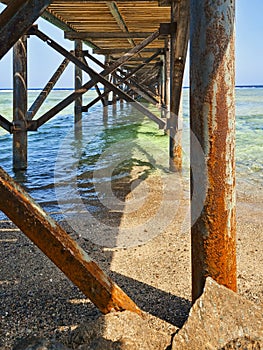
(111, 145)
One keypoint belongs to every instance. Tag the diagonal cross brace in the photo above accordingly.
(5, 124)
(47, 89)
(133, 86)
(16, 19)
(60, 248)
(96, 77)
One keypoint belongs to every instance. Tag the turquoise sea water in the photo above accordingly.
(110, 145)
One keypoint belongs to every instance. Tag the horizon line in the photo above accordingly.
(93, 88)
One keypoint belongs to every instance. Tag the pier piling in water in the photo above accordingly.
(180, 12)
(212, 113)
(20, 104)
(78, 84)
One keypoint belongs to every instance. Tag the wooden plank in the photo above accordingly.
(60, 248)
(62, 25)
(105, 35)
(122, 50)
(113, 7)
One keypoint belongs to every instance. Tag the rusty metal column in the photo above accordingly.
(178, 51)
(20, 104)
(78, 84)
(106, 98)
(212, 109)
(167, 76)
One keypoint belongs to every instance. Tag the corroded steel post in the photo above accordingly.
(78, 84)
(106, 63)
(20, 104)
(212, 109)
(178, 51)
(61, 248)
(167, 76)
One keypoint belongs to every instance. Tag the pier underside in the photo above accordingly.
(145, 47)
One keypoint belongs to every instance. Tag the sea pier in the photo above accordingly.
(145, 46)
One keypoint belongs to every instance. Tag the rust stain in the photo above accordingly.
(220, 244)
(212, 102)
(61, 248)
(177, 157)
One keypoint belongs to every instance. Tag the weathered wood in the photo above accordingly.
(180, 12)
(110, 17)
(113, 7)
(60, 248)
(20, 104)
(47, 89)
(123, 50)
(65, 26)
(16, 19)
(106, 35)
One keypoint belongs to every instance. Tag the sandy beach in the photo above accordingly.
(37, 299)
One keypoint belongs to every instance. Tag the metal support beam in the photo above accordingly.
(20, 104)
(96, 86)
(78, 84)
(167, 76)
(137, 88)
(47, 89)
(96, 77)
(60, 248)
(16, 19)
(133, 85)
(5, 124)
(178, 50)
(106, 91)
(161, 84)
(212, 110)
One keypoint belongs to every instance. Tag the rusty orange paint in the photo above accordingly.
(176, 160)
(61, 248)
(213, 124)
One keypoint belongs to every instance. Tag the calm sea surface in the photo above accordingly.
(110, 145)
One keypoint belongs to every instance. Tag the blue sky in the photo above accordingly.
(249, 51)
